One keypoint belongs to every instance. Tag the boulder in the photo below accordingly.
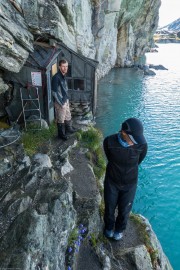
(157, 67)
(149, 72)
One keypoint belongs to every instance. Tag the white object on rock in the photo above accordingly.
(26, 162)
(43, 160)
(66, 168)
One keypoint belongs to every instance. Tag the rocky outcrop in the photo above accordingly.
(40, 208)
(136, 25)
(15, 40)
(3, 86)
(34, 198)
(112, 32)
(50, 216)
(157, 67)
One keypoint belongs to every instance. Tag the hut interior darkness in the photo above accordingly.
(32, 85)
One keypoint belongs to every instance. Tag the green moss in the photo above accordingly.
(92, 139)
(94, 240)
(154, 255)
(89, 156)
(97, 239)
(145, 238)
(100, 163)
(32, 139)
(102, 208)
(78, 135)
(73, 236)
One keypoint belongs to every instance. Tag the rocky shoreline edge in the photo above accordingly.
(51, 214)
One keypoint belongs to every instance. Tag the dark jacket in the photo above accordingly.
(59, 88)
(122, 167)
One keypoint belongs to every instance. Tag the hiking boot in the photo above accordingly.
(61, 131)
(69, 127)
(108, 233)
(117, 235)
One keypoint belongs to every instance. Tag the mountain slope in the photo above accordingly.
(174, 26)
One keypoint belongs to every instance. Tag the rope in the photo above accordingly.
(4, 145)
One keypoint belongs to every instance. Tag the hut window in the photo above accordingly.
(54, 69)
(78, 84)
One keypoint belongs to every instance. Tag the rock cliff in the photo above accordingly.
(51, 215)
(110, 31)
(50, 204)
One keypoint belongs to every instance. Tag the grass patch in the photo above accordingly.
(32, 139)
(92, 139)
(93, 240)
(102, 208)
(96, 240)
(145, 238)
(100, 163)
(73, 237)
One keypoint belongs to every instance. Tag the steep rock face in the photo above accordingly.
(33, 200)
(115, 31)
(15, 39)
(41, 207)
(137, 23)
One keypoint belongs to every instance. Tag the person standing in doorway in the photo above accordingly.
(124, 151)
(61, 101)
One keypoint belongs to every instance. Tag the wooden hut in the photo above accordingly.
(37, 73)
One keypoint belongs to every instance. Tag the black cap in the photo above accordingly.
(134, 128)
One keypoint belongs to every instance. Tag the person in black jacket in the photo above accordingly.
(61, 101)
(124, 151)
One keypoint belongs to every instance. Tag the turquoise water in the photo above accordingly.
(125, 93)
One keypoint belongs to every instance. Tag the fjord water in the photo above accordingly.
(125, 93)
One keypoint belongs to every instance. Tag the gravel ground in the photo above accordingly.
(87, 259)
